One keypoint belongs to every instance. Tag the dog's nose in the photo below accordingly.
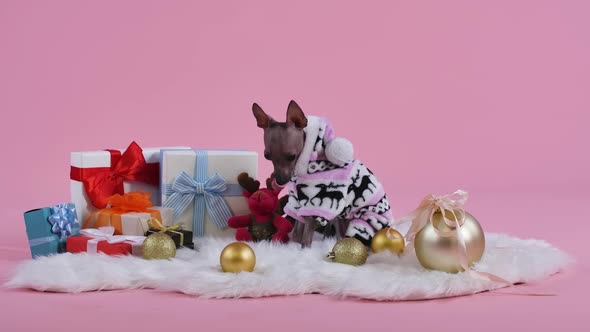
(282, 179)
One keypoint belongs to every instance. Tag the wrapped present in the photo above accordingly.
(181, 238)
(97, 175)
(129, 214)
(201, 186)
(92, 241)
(49, 227)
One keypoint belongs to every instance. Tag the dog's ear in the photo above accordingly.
(295, 116)
(262, 119)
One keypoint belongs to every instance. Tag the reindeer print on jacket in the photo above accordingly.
(325, 191)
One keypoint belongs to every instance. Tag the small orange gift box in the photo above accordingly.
(129, 214)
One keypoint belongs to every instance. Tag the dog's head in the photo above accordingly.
(283, 141)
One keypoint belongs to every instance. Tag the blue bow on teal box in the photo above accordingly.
(205, 191)
(48, 228)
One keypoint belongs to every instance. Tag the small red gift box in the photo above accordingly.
(76, 244)
(98, 240)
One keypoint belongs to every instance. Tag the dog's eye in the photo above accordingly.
(267, 156)
(291, 157)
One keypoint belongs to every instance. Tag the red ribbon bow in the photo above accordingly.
(103, 182)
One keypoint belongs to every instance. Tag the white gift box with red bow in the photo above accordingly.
(108, 165)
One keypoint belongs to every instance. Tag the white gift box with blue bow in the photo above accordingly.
(201, 186)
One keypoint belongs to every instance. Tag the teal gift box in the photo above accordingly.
(49, 227)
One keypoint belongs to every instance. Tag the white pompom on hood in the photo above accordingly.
(321, 143)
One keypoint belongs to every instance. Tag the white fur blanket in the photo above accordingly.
(287, 269)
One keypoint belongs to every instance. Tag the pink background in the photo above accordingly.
(492, 98)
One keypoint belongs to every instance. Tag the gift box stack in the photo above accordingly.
(119, 197)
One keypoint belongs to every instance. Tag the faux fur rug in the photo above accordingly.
(287, 269)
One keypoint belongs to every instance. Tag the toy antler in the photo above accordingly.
(269, 183)
(248, 183)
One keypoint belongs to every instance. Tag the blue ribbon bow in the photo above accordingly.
(206, 192)
(62, 220)
(64, 223)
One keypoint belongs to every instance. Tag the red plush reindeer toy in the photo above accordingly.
(264, 221)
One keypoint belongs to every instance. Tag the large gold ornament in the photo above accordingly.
(349, 251)
(436, 252)
(237, 257)
(388, 239)
(158, 246)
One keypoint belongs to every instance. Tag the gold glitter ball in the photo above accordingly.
(349, 251)
(158, 246)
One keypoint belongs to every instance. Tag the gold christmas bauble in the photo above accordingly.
(237, 257)
(158, 246)
(441, 253)
(393, 241)
(349, 251)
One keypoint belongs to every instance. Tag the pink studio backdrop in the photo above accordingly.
(492, 98)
